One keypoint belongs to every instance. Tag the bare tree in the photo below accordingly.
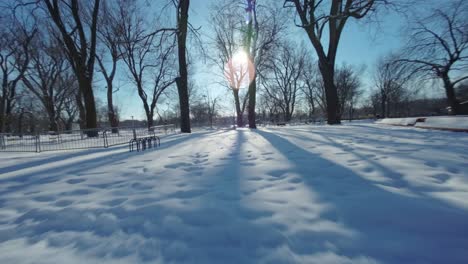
(226, 46)
(283, 80)
(43, 76)
(182, 13)
(212, 103)
(312, 88)
(438, 47)
(110, 31)
(69, 107)
(329, 17)
(348, 85)
(149, 56)
(264, 26)
(204, 108)
(390, 79)
(15, 38)
(79, 42)
(249, 44)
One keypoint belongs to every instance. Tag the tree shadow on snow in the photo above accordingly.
(388, 226)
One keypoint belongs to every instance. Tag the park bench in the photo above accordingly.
(143, 143)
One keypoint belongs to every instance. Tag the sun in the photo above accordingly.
(239, 71)
(240, 58)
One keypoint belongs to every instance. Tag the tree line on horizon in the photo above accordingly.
(52, 50)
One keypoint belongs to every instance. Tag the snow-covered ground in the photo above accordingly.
(445, 122)
(432, 122)
(362, 193)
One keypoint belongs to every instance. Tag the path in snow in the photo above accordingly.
(347, 194)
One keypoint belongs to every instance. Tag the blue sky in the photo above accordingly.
(361, 44)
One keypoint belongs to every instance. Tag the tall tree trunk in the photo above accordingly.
(8, 117)
(239, 112)
(250, 43)
(69, 124)
(451, 96)
(182, 80)
(90, 107)
(351, 111)
(150, 119)
(331, 93)
(312, 110)
(2, 115)
(383, 104)
(3, 102)
(288, 114)
(252, 103)
(81, 110)
(114, 122)
(52, 116)
(52, 122)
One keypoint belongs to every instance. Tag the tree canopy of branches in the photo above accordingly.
(149, 55)
(312, 88)
(76, 28)
(226, 45)
(390, 80)
(348, 84)
(46, 80)
(234, 38)
(329, 17)
(15, 39)
(283, 80)
(438, 47)
(264, 27)
(110, 33)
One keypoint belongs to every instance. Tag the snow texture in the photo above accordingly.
(436, 122)
(362, 193)
(446, 122)
(408, 121)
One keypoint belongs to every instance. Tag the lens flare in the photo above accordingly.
(239, 71)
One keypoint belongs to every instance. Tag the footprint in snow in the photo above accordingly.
(441, 177)
(140, 186)
(45, 198)
(368, 169)
(280, 202)
(177, 165)
(115, 202)
(188, 194)
(63, 203)
(295, 180)
(277, 173)
(453, 170)
(431, 164)
(75, 181)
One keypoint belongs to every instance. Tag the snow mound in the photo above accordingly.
(445, 122)
(455, 123)
(409, 121)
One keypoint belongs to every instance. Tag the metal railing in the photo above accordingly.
(164, 129)
(77, 139)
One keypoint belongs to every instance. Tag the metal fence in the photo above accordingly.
(77, 139)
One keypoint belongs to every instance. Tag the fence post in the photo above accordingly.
(104, 135)
(38, 143)
(2, 142)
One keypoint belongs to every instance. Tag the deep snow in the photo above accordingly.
(359, 193)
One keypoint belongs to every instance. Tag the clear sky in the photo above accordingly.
(361, 44)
